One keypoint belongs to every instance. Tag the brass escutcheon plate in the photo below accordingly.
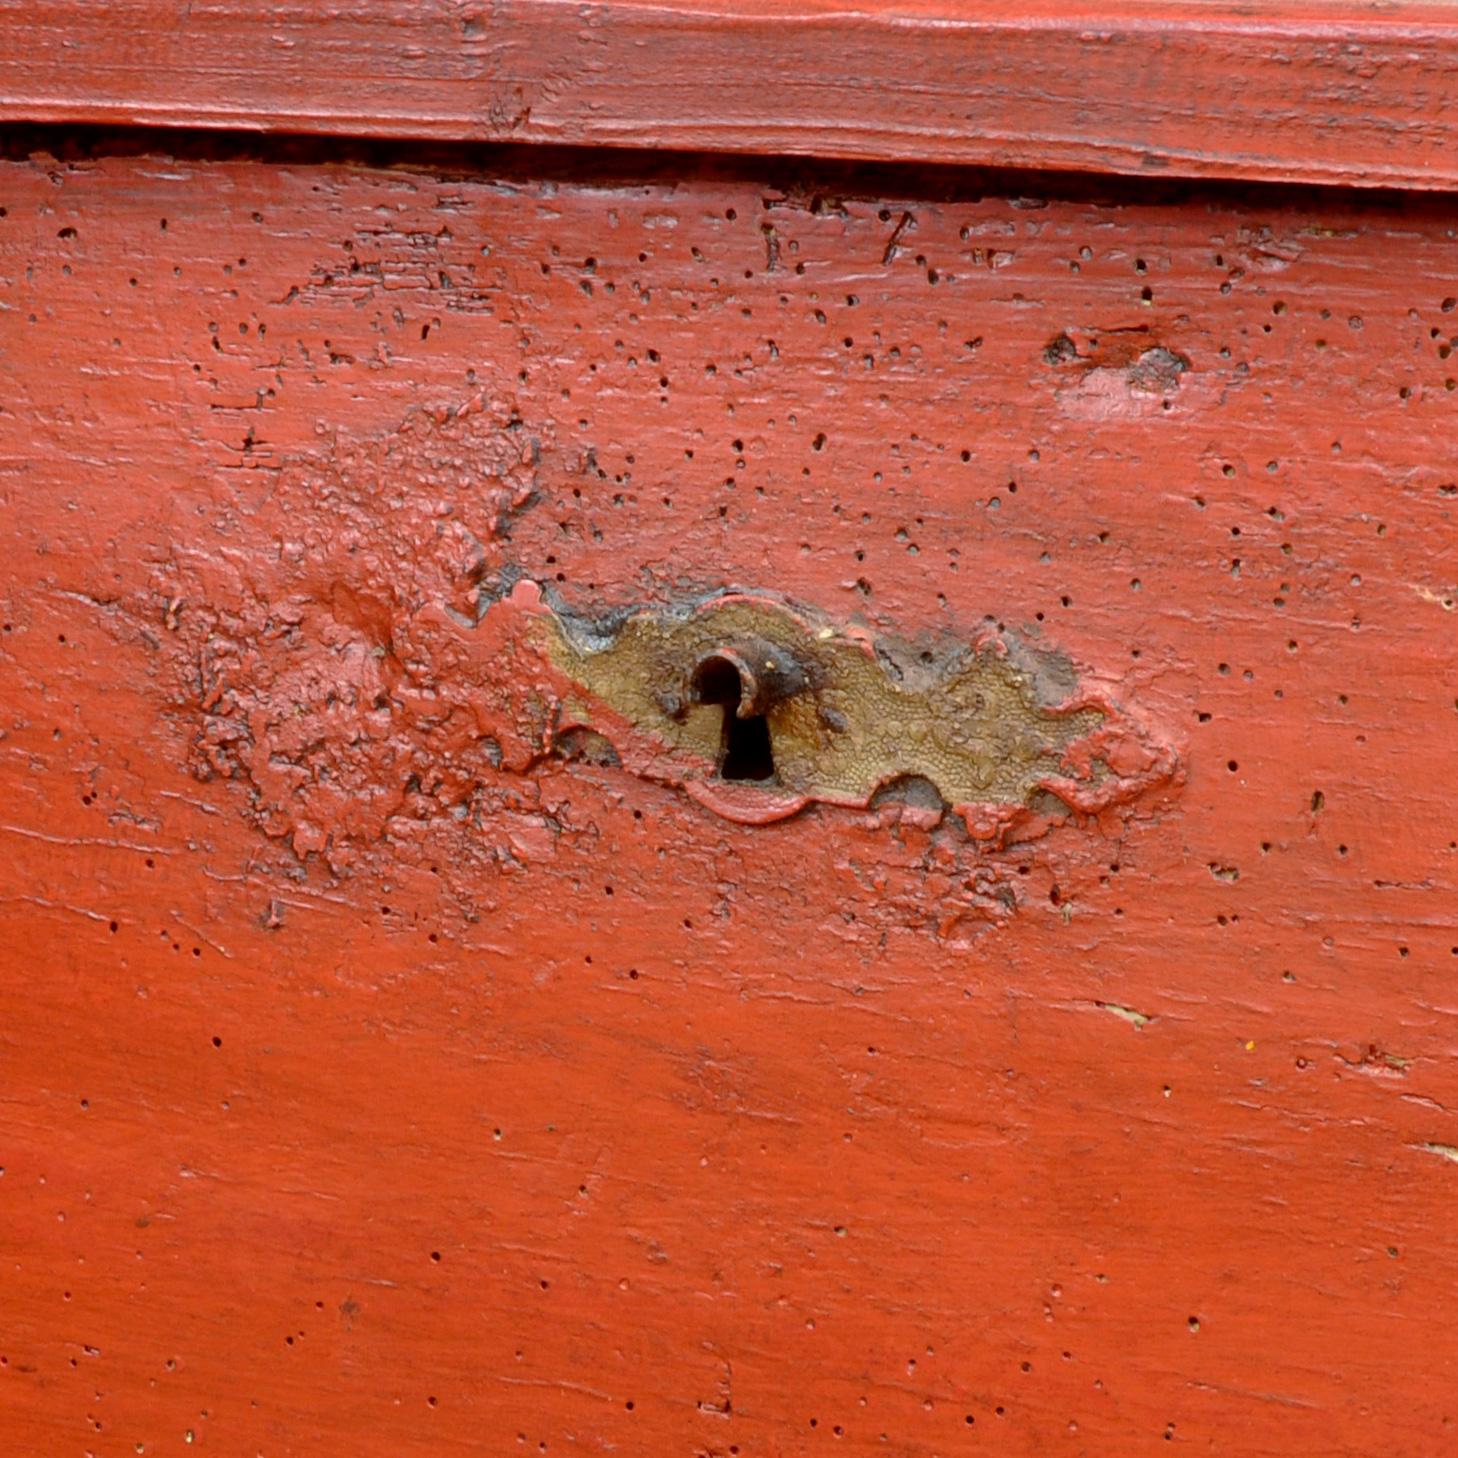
(757, 708)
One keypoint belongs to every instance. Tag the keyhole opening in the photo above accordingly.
(745, 749)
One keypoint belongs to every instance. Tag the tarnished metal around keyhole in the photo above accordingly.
(757, 708)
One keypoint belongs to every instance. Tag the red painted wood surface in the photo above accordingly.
(362, 1096)
(1362, 93)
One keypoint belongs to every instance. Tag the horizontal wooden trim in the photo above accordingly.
(1354, 94)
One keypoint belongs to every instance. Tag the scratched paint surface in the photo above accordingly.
(374, 1083)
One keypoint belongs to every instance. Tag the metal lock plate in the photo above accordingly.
(757, 709)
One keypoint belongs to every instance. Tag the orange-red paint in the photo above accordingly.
(383, 1093)
(1347, 91)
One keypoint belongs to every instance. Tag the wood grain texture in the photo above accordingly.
(1279, 89)
(367, 1092)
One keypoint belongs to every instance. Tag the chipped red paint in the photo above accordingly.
(373, 1083)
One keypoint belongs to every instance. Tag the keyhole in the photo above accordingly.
(745, 750)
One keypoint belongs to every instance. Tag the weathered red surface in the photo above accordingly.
(362, 1095)
(1356, 91)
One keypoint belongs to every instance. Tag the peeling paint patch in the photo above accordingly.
(1447, 599)
(1443, 1151)
(1130, 1015)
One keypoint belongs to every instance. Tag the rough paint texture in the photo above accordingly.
(1349, 91)
(374, 1085)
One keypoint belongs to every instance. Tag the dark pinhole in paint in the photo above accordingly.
(745, 750)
